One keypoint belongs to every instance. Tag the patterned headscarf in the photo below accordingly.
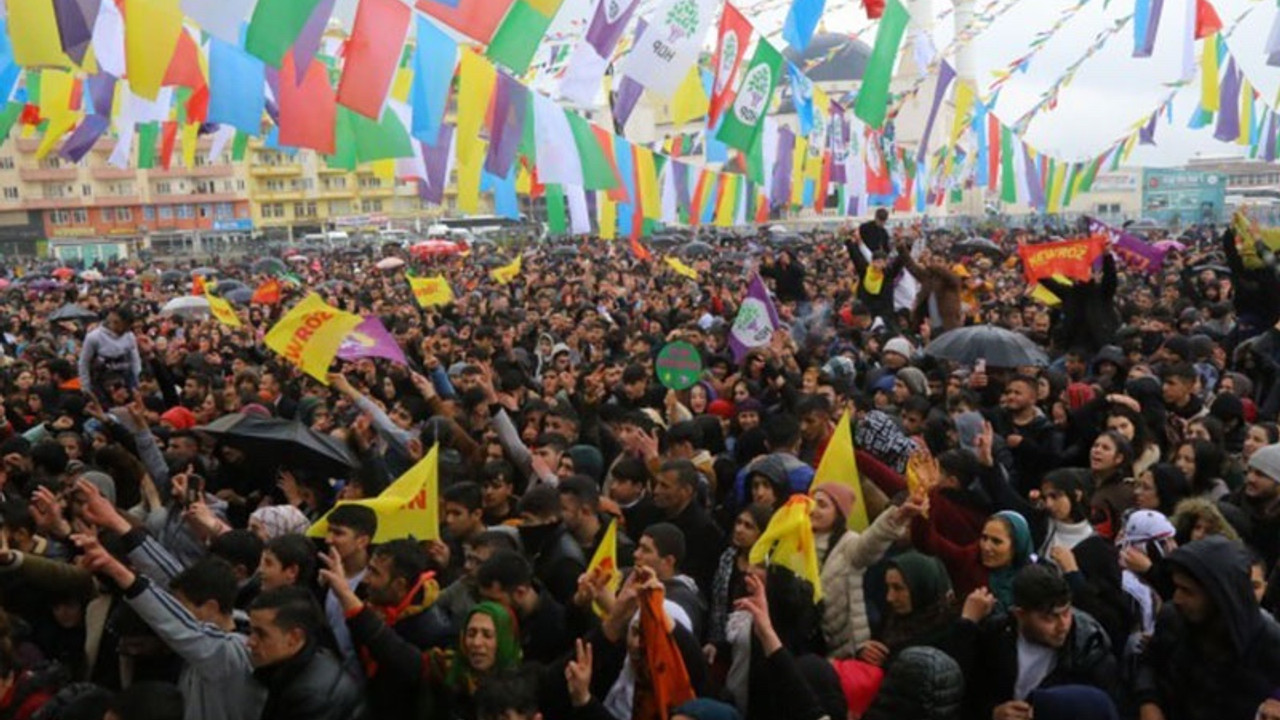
(278, 520)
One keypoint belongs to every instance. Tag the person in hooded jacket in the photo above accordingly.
(923, 683)
(1259, 499)
(1214, 653)
(921, 608)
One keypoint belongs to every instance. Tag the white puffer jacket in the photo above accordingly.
(844, 617)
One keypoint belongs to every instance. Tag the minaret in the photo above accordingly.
(965, 61)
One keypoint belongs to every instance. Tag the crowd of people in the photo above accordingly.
(1095, 537)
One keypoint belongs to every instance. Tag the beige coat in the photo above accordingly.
(844, 616)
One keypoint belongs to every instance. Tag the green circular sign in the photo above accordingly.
(679, 366)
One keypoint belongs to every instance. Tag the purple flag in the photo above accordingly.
(1228, 127)
(945, 75)
(1147, 135)
(839, 145)
(308, 42)
(756, 322)
(1132, 249)
(102, 90)
(610, 20)
(780, 189)
(436, 160)
(681, 176)
(1146, 42)
(510, 103)
(75, 25)
(1035, 182)
(78, 144)
(370, 339)
(624, 103)
(1269, 139)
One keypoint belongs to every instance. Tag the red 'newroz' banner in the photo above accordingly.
(1072, 258)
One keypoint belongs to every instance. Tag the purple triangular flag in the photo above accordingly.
(75, 20)
(81, 140)
(370, 339)
(756, 322)
(308, 42)
(510, 104)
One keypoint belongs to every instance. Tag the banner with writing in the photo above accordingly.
(1071, 258)
(1132, 249)
(310, 335)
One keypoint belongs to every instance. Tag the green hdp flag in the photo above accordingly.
(275, 26)
(873, 95)
(742, 123)
(1008, 177)
(517, 38)
(597, 173)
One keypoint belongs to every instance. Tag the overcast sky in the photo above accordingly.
(1111, 91)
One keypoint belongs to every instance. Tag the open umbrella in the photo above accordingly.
(696, 249)
(435, 248)
(238, 296)
(63, 273)
(4, 283)
(286, 443)
(172, 277)
(225, 286)
(91, 275)
(297, 258)
(71, 311)
(979, 245)
(44, 285)
(270, 266)
(565, 251)
(390, 263)
(999, 347)
(187, 306)
(206, 272)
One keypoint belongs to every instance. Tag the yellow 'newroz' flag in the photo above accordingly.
(788, 541)
(606, 559)
(409, 507)
(221, 309)
(840, 465)
(310, 335)
(505, 274)
(431, 291)
(681, 268)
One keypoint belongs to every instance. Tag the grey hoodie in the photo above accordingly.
(105, 352)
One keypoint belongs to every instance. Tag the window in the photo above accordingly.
(307, 209)
(148, 213)
(124, 214)
(240, 185)
(86, 190)
(303, 184)
(206, 187)
(6, 163)
(273, 210)
(164, 188)
(11, 193)
(52, 163)
(339, 207)
(370, 182)
(335, 183)
(81, 216)
(183, 212)
(274, 185)
(223, 211)
(166, 212)
(370, 206)
(204, 211)
(60, 217)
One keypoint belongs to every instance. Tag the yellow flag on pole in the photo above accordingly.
(431, 291)
(788, 541)
(505, 274)
(221, 309)
(310, 335)
(681, 268)
(409, 507)
(840, 465)
(605, 560)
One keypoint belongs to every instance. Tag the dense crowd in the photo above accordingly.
(1094, 536)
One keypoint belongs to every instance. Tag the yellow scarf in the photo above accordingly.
(873, 279)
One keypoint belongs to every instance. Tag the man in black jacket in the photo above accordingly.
(1214, 653)
(873, 232)
(1043, 643)
(507, 578)
(675, 493)
(304, 680)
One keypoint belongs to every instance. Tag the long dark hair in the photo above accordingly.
(1125, 449)
(1209, 458)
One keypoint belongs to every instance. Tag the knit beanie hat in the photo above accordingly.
(841, 495)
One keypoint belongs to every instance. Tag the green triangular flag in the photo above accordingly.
(517, 38)
(275, 26)
(597, 172)
(344, 142)
(147, 135)
(379, 140)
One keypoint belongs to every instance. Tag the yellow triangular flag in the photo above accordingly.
(839, 465)
(606, 560)
(505, 274)
(1045, 296)
(431, 291)
(680, 268)
(409, 507)
(310, 335)
(690, 101)
(221, 309)
(788, 541)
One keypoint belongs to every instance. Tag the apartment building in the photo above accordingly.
(93, 211)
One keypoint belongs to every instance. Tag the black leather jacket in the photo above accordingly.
(310, 686)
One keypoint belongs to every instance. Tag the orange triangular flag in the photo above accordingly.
(268, 293)
(197, 286)
(640, 251)
(668, 675)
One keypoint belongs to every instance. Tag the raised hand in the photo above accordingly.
(98, 510)
(577, 674)
(978, 605)
(47, 510)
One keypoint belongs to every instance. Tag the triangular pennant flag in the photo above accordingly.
(408, 508)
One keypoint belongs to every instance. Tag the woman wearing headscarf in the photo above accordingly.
(921, 607)
(1004, 547)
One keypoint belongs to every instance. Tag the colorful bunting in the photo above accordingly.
(372, 55)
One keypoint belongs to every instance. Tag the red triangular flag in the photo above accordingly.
(184, 67)
(197, 286)
(1207, 20)
(875, 8)
(640, 251)
(168, 136)
(268, 293)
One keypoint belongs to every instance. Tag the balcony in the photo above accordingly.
(52, 203)
(385, 191)
(274, 170)
(48, 174)
(277, 196)
(195, 198)
(113, 173)
(203, 171)
(326, 170)
(117, 200)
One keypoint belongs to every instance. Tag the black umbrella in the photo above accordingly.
(269, 266)
(225, 286)
(287, 443)
(998, 347)
(72, 311)
(206, 272)
(172, 277)
(979, 245)
(239, 296)
(696, 249)
(660, 240)
(565, 251)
